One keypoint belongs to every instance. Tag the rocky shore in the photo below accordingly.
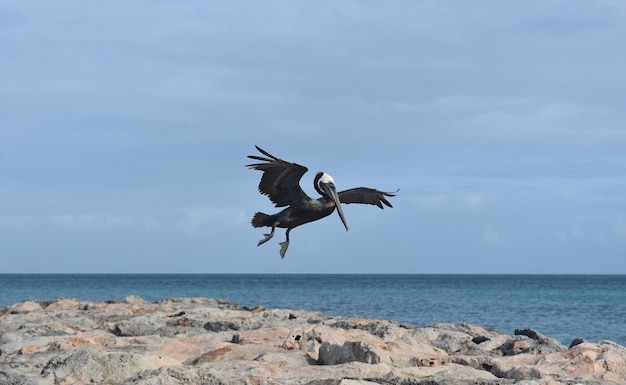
(208, 341)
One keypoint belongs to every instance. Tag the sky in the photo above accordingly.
(125, 126)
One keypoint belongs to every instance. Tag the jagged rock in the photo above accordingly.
(208, 341)
(546, 344)
(342, 382)
(139, 326)
(221, 326)
(333, 354)
(12, 377)
(24, 307)
(91, 366)
(530, 341)
(576, 341)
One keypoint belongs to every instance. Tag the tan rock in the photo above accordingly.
(204, 341)
(24, 307)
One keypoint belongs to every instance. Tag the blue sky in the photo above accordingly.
(124, 130)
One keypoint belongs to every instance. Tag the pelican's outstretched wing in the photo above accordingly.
(366, 195)
(280, 180)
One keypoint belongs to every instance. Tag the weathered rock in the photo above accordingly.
(333, 354)
(92, 366)
(209, 341)
(24, 307)
(576, 341)
(546, 344)
(221, 326)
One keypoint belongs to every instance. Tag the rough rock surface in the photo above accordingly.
(208, 341)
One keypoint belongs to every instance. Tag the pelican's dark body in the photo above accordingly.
(297, 215)
(281, 183)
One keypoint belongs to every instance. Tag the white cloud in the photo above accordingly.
(491, 236)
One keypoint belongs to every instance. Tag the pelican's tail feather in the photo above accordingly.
(261, 220)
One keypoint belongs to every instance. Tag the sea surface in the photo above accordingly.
(564, 307)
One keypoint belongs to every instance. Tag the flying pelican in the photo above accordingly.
(281, 183)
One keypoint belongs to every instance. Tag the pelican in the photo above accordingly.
(281, 183)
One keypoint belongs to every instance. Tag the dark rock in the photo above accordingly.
(577, 341)
(254, 309)
(332, 354)
(532, 342)
(480, 339)
(221, 326)
(374, 328)
(530, 333)
(544, 344)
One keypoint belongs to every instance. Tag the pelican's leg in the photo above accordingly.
(267, 237)
(284, 245)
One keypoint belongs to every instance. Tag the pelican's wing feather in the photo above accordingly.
(280, 180)
(366, 195)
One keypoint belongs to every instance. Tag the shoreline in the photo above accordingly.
(563, 308)
(203, 340)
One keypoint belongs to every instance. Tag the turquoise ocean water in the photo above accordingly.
(560, 306)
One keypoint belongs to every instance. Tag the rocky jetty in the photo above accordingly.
(208, 341)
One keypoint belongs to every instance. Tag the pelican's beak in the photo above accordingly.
(330, 189)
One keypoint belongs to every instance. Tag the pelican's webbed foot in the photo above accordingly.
(267, 237)
(284, 245)
(283, 248)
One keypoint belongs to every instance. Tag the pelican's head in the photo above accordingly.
(325, 185)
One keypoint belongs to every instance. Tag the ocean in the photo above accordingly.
(563, 307)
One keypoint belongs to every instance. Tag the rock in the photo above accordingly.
(333, 354)
(12, 377)
(89, 365)
(208, 341)
(221, 326)
(138, 326)
(547, 344)
(480, 339)
(343, 382)
(24, 307)
(576, 341)
(528, 341)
